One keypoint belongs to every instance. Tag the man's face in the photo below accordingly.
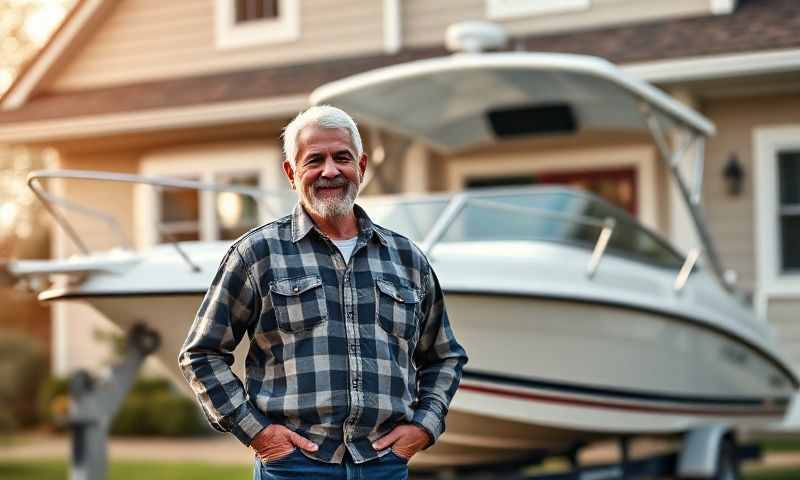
(327, 172)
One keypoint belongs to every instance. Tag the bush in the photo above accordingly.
(22, 369)
(153, 407)
(53, 401)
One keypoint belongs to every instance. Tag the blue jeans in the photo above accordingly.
(298, 466)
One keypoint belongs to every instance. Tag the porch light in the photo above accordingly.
(733, 174)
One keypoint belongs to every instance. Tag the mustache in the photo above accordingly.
(324, 183)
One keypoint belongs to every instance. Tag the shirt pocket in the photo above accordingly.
(299, 303)
(397, 308)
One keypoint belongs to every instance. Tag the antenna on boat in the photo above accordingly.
(475, 37)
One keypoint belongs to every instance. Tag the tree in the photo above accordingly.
(24, 27)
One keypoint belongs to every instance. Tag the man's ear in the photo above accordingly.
(289, 172)
(362, 165)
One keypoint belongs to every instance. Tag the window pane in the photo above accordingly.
(412, 219)
(236, 213)
(249, 10)
(790, 240)
(553, 217)
(179, 205)
(789, 177)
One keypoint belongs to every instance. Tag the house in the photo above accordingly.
(201, 88)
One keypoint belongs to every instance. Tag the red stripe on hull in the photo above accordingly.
(619, 406)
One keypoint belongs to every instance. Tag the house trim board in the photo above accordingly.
(149, 120)
(707, 67)
(392, 26)
(771, 283)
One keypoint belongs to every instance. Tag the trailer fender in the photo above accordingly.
(699, 456)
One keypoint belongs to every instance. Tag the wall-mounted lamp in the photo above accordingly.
(733, 174)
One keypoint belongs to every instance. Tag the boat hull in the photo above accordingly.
(549, 373)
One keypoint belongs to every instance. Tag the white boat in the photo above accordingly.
(580, 323)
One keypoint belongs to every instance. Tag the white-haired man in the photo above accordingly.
(352, 361)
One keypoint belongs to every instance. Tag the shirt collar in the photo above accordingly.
(302, 224)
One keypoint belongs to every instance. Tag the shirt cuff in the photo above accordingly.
(246, 422)
(430, 416)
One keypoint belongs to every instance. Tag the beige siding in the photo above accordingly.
(732, 219)
(115, 199)
(76, 324)
(425, 21)
(151, 39)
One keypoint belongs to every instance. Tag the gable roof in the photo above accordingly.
(755, 26)
(74, 28)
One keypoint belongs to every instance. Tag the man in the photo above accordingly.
(352, 361)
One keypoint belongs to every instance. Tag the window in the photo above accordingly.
(617, 186)
(179, 215)
(235, 213)
(776, 154)
(243, 23)
(501, 9)
(164, 215)
(789, 209)
(254, 10)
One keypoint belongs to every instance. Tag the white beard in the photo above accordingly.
(339, 206)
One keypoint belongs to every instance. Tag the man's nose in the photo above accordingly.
(330, 169)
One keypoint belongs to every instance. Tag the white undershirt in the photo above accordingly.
(346, 247)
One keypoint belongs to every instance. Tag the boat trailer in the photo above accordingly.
(709, 453)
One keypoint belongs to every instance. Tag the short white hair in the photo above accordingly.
(324, 116)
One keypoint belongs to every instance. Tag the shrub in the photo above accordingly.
(154, 407)
(22, 369)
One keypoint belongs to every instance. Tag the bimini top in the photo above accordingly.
(471, 99)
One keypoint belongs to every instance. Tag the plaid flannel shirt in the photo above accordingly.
(340, 353)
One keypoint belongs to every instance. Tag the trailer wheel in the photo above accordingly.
(727, 463)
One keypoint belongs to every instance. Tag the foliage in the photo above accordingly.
(22, 370)
(152, 408)
(24, 26)
(57, 470)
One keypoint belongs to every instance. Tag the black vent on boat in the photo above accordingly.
(532, 120)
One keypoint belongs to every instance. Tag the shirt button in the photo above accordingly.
(295, 289)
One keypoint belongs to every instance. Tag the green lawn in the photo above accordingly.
(57, 470)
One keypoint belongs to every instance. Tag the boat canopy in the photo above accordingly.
(470, 99)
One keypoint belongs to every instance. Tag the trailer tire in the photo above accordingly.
(727, 461)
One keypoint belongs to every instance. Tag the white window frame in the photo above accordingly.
(506, 9)
(771, 282)
(207, 164)
(228, 34)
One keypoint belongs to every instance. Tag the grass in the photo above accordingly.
(788, 474)
(789, 444)
(57, 470)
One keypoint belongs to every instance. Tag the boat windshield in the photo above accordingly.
(551, 214)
